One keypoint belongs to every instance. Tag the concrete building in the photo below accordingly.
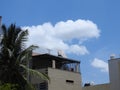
(64, 73)
(114, 75)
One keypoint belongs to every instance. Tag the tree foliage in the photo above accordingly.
(8, 86)
(14, 55)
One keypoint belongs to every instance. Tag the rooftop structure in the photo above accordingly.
(64, 73)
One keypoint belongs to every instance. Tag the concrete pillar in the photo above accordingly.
(0, 28)
(0, 21)
(77, 67)
(53, 64)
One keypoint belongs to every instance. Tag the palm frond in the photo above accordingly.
(22, 37)
(10, 53)
(36, 73)
(26, 54)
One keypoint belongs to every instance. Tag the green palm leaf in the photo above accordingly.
(36, 73)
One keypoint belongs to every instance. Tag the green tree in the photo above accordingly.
(8, 86)
(14, 55)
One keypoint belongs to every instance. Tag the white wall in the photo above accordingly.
(114, 72)
(58, 80)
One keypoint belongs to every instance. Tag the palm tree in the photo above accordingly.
(14, 56)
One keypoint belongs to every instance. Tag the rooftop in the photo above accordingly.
(57, 58)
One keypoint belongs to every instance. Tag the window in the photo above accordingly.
(41, 86)
(69, 81)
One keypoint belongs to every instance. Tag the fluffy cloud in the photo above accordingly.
(80, 29)
(100, 64)
(56, 37)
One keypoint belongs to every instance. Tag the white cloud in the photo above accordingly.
(56, 36)
(100, 64)
(79, 29)
(78, 50)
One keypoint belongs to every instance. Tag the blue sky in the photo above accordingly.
(101, 17)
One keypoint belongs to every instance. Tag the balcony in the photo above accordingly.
(56, 62)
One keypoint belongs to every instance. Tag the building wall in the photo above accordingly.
(58, 80)
(114, 72)
(97, 87)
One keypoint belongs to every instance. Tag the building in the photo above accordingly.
(114, 75)
(64, 73)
